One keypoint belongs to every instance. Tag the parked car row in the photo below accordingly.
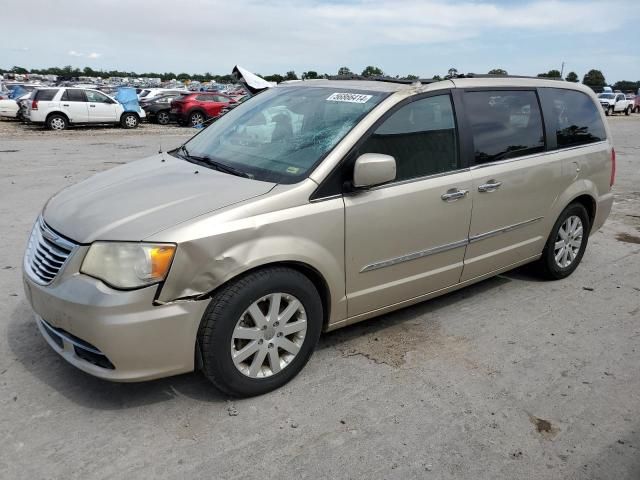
(186, 108)
(57, 108)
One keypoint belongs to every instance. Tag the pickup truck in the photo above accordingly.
(615, 103)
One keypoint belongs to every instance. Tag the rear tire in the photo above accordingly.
(129, 120)
(569, 234)
(240, 319)
(196, 118)
(56, 121)
(627, 111)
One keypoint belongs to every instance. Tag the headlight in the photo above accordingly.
(128, 265)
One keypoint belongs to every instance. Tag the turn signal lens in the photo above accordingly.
(161, 258)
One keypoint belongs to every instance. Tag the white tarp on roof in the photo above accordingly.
(253, 81)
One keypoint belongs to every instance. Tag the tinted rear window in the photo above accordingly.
(572, 116)
(505, 124)
(47, 94)
(73, 95)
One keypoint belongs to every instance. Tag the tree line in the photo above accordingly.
(593, 78)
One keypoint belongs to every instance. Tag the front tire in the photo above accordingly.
(627, 111)
(163, 117)
(57, 122)
(259, 331)
(129, 120)
(566, 243)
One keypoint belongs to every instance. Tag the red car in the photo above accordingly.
(197, 107)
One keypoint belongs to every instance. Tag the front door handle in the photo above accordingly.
(65, 104)
(92, 106)
(453, 194)
(490, 186)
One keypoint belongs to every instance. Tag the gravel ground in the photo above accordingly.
(510, 378)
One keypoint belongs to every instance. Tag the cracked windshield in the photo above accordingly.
(281, 134)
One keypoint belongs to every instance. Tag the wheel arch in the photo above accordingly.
(57, 112)
(589, 203)
(307, 270)
(128, 113)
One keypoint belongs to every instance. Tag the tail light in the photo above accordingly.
(34, 105)
(613, 167)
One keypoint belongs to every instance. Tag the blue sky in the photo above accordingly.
(401, 36)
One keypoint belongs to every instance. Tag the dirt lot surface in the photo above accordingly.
(510, 378)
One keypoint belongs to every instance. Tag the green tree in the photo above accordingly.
(276, 77)
(291, 75)
(626, 86)
(372, 71)
(594, 78)
(498, 71)
(572, 77)
(452, 72)
(411, 77)
(551, 74)
(310, 75)
(344, 71)
(183, 76)
(19, 70)
(436, 77)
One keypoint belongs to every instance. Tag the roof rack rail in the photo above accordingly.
(489, 75)
(403, 81)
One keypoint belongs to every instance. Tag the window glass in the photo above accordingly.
(205, 98)
(504, 124)
(421, 136)
(96, 97)
(47, 94)
(281, 134)
(220, 98)
(73, 95)
(573, 116)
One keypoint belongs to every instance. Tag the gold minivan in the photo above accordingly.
(312, 206)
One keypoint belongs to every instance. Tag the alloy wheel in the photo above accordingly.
(568, 241)
(163, 118)
(268, 335)
(57, 123)
(196, 119)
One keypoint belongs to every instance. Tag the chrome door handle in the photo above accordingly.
(490, 186)
(453, 195)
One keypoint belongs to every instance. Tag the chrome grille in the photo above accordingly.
(47, 252)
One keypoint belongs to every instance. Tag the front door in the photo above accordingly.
(407, 238)
(514, 181)
(101, 108)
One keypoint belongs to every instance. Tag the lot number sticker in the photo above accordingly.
(348, 97)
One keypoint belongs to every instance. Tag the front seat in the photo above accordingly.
(284, 128)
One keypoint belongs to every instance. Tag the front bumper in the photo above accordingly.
(112, 334)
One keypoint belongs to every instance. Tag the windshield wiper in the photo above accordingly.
(225, 168)
(221, 167)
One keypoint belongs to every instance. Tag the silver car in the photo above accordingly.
(312, 206)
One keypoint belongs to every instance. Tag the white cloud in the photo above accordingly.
(73, 53)
(94, 55)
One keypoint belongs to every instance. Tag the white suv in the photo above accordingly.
(57, 108)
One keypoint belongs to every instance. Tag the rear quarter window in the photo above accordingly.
(46, 95)
(504, 124)
(572, 116)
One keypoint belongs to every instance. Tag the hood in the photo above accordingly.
(136, 200)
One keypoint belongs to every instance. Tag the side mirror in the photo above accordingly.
(373, 169)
